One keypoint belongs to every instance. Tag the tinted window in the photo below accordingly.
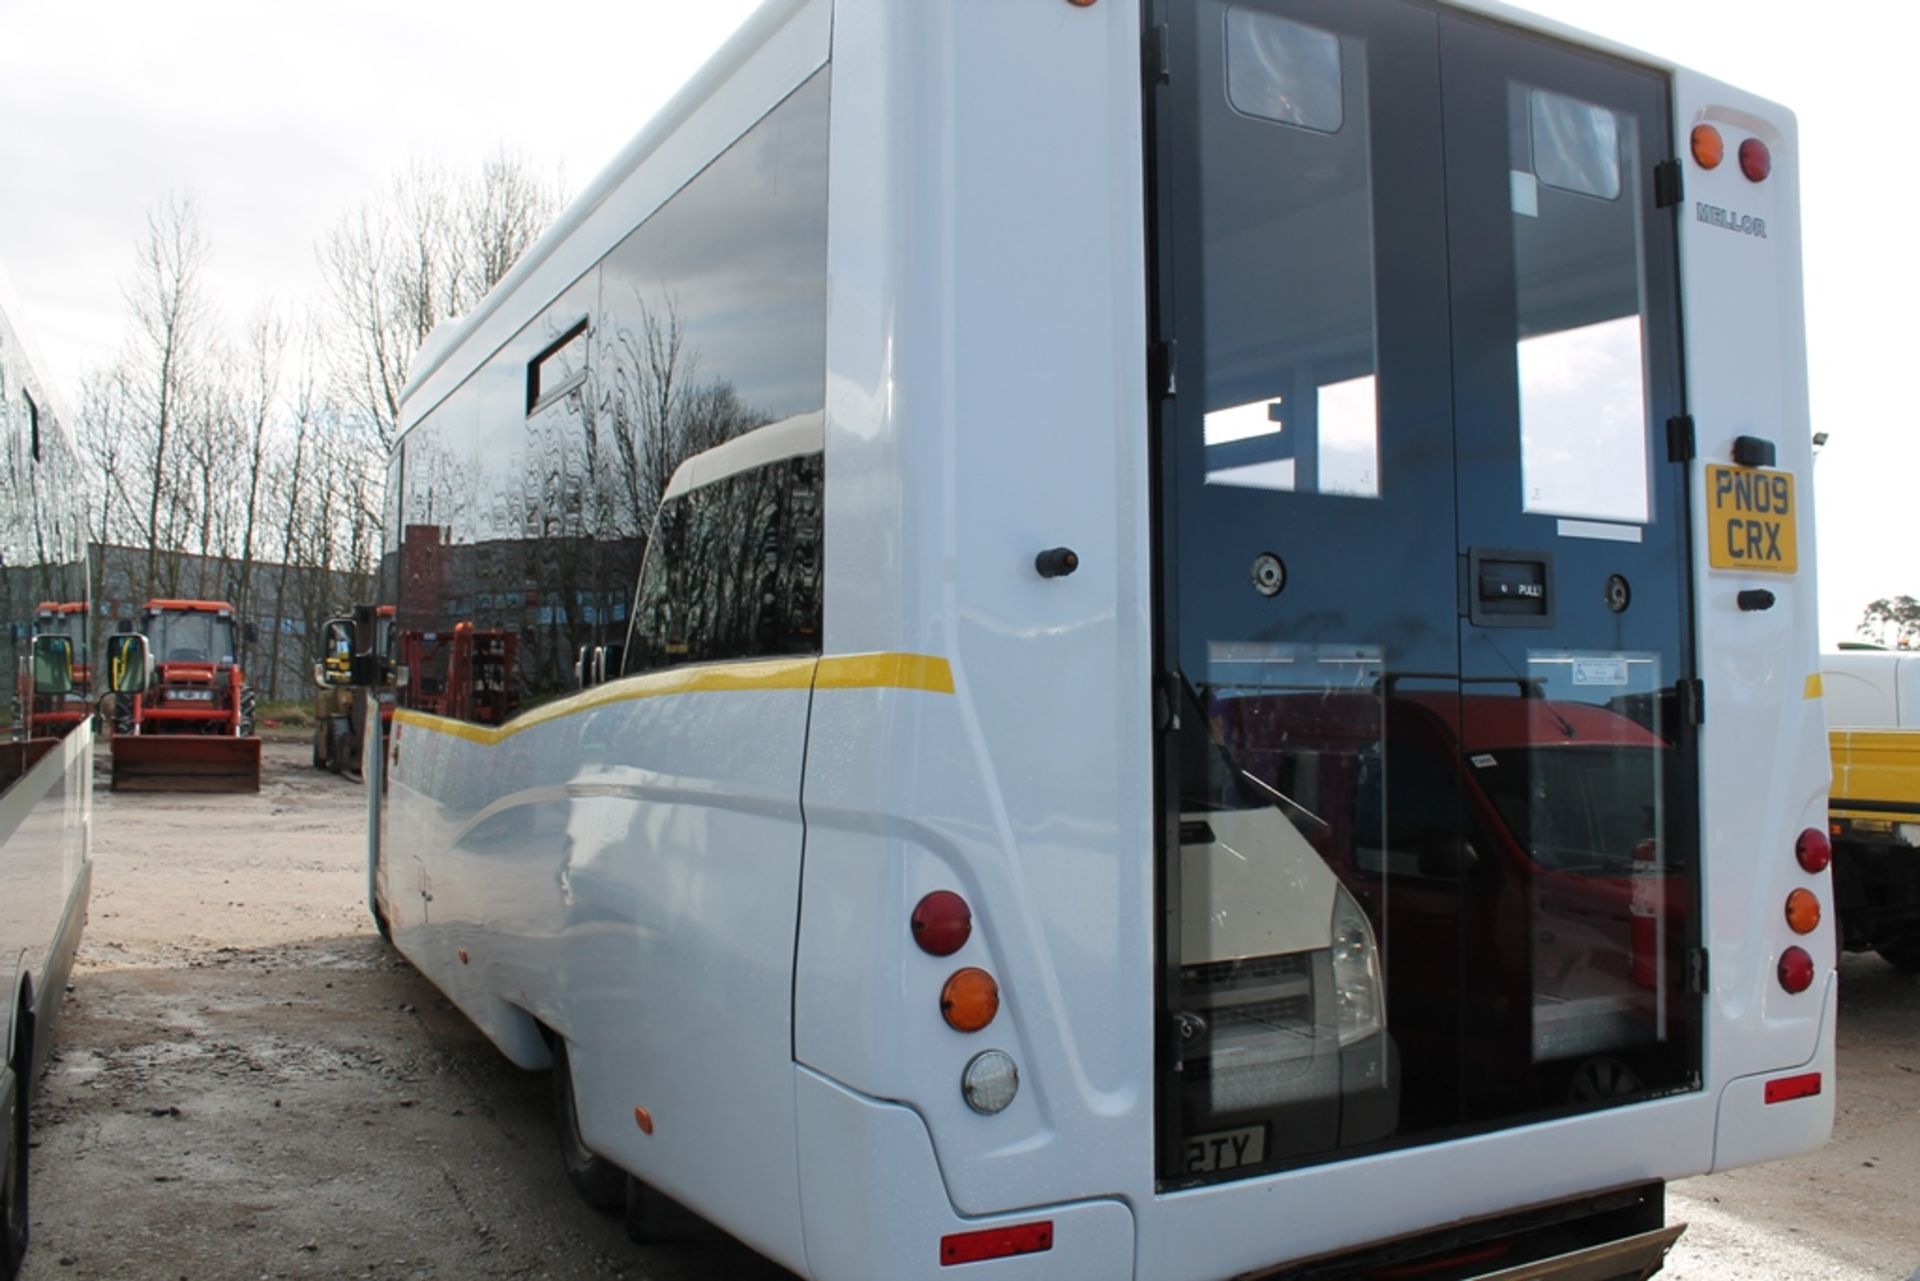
(527, 496)
(734, 570)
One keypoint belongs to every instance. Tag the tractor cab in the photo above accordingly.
(192, 728)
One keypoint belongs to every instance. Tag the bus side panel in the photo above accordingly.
(45, 880)
(1765, 752)
(627, 875)
(987, 350)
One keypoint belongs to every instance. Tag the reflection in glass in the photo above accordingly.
(1283, 71)
(1289, 274)
(1581, 341)
(1576, 145)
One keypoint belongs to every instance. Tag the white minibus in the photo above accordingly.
(1164, 639)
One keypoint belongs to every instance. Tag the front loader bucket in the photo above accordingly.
(185, 763)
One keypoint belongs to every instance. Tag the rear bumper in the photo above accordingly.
(875, 1208)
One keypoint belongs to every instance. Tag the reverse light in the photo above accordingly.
(942, 923)
(1709, 148)
(1813, 850)
(1755, 160)
(1796, 969)
(969, 1000)
(990, 1082)
(1356, 971)
(1803, 911)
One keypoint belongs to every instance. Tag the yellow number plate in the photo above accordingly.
(1750, 520)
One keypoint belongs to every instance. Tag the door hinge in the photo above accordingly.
(1156, 56)
(1162, 376)
(1668, 187)
(1696, 971)
(1693, 701)
(1680, 438)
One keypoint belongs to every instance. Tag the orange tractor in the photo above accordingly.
(191, 730)
(54, 715)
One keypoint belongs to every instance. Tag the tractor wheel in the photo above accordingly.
(123, 713)
(247, 702)
(322, 749)
(1902, 954)
(600, 1182)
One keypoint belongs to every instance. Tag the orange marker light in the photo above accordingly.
(969, 1000)
(643, 1119)
(1709, 148)
(1803, 911)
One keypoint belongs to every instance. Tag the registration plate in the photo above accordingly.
(1750, 520)
(190, 695)
(1226, 1149)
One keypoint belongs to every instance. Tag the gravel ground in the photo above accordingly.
(249, 1084)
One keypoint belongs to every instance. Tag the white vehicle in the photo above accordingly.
(46, 751)
(1101, 646)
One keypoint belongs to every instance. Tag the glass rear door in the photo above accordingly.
(1422, 781)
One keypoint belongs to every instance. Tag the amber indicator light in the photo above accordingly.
(969, 1000)
(643, 1119)
(1709, 149)
(1803, 911)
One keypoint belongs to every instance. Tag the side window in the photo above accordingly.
(733, 571)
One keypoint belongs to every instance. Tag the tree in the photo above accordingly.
(426, 252)
(170, 315)
(1893, 620)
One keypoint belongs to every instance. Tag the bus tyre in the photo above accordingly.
(600, 1182)
(1603, 1079)
(13, 1174)
(1902, 955)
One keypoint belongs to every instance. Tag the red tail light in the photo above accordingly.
(942, 923)
(1796, 969)
(1814, 850)
(1755, 160)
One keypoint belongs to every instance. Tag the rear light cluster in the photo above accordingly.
(1813, 852)
(942, 923)
(1709, 149)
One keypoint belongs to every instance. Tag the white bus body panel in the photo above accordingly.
(986, 350)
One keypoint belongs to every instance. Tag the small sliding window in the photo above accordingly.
(560, 367)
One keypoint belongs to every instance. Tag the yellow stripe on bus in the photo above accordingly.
(1816, 688)
(839, 671)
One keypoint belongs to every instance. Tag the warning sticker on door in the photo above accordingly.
(1750, 520)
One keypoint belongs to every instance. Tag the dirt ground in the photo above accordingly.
(249, 1084)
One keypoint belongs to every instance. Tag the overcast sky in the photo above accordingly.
(277, 124)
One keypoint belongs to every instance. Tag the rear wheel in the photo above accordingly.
(247, 701)
(600, 1182)
(1903, 955)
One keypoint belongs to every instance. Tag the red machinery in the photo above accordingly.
(55, 715)
(464, 674)
(192, 730)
